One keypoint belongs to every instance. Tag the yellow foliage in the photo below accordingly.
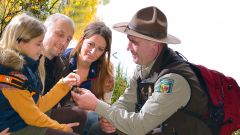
(38, 8)
(82, 12)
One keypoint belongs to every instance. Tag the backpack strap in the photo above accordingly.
(9, 81)
(214, 118)
(12, 81)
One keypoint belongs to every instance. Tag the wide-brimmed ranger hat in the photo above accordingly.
(148, 23)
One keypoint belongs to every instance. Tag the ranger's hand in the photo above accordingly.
(106, 126)
(85, 99)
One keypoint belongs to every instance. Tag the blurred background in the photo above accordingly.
(209, 29)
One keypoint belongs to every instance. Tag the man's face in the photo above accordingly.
(57, 38)
(143, 51)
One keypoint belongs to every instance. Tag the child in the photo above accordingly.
(23, 107)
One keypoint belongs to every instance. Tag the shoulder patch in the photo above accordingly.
(164, 86)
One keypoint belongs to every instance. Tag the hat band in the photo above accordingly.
(158, 35)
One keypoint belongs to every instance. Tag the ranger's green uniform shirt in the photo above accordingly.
(171, 92)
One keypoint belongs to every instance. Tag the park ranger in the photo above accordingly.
(163, 90)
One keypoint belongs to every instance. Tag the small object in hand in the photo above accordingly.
(75, 89)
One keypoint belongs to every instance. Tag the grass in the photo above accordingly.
(121, 83)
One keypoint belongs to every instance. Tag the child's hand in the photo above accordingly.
(71, 125)
(5, 132)
(72, 79)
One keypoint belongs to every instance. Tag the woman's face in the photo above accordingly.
(93, 48)
(33, 48)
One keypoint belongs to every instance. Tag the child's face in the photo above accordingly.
(33, 48)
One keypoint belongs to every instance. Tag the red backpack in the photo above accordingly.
(223, 115)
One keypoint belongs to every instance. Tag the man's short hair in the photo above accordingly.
(50, 21)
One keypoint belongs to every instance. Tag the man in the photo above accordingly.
(60, 30)
(164, 92)
(59, 33)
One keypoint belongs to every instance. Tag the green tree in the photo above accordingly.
(38, 8)
(104, 2)
(121, 83)
(81, 11)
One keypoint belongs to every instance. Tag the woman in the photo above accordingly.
(91, 60)
(23, 107)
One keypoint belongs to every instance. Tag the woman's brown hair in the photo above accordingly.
(105, 69)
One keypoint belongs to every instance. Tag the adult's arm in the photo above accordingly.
(160, 106)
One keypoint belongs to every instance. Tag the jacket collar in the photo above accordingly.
(31, 63)
(92, 71)
(11, 59)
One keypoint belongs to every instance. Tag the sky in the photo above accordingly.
(209, 31)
